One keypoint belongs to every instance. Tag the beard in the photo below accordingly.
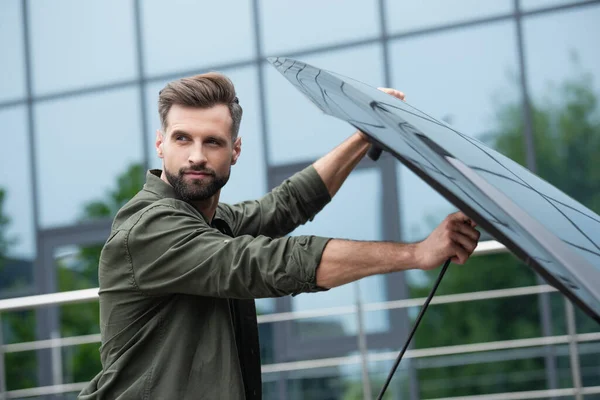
(196, 189)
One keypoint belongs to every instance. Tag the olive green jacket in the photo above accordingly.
(177, 316)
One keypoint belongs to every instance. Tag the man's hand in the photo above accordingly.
(455, 238)
(393, 92)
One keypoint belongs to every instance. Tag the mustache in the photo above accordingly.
(197, 168)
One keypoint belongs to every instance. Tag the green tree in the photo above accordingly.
(566, 131)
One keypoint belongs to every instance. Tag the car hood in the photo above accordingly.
(548, 230)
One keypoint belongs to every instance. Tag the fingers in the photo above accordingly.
(463, 236)
(396, 93)
(465, 229)
(464, 241)
(461, 255)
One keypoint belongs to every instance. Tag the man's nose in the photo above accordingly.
(197, 155)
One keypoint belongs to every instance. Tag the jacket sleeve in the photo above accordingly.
(293, 203)
(173, 250)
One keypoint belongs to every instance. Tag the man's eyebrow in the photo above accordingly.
(179, 132)
(217, 138)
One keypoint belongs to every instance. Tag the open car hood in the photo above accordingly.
(551, 232)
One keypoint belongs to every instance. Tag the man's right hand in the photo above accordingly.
(455, 238)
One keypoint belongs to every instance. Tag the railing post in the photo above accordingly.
(573, 349)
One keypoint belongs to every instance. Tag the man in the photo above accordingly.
(180, 270)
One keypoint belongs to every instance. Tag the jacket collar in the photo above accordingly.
(157, 186)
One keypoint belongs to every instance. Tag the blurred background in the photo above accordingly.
(79, 83)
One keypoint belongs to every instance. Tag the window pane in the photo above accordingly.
(573, 52)
(187, 34)
(12, 78)
(248, 176)
(457, 75)
(83, 145)
(284, 25)
(412, 15)
(339, 220)
(527, 5)
(298, 131)
(465, 93)
(17, 245)
(81, 43)
(565, 95)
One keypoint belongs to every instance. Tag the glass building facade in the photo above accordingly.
(79, 85)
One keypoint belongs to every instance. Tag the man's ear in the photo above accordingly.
(159, 143)
(237, 149)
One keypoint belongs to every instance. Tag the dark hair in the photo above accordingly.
(203, 91)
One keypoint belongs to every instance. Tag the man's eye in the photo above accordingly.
(180, 137)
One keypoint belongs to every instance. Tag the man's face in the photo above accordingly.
(197, 150)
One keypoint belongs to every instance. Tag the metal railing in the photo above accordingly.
(484, 248)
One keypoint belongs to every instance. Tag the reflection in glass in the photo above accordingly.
(83, 144)
(73, 46)
(457, 76)
(405, 16)
(284, 26)
(186, 35)
(17, 246)
(12, 78)
(574, 53)
(298, 132)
